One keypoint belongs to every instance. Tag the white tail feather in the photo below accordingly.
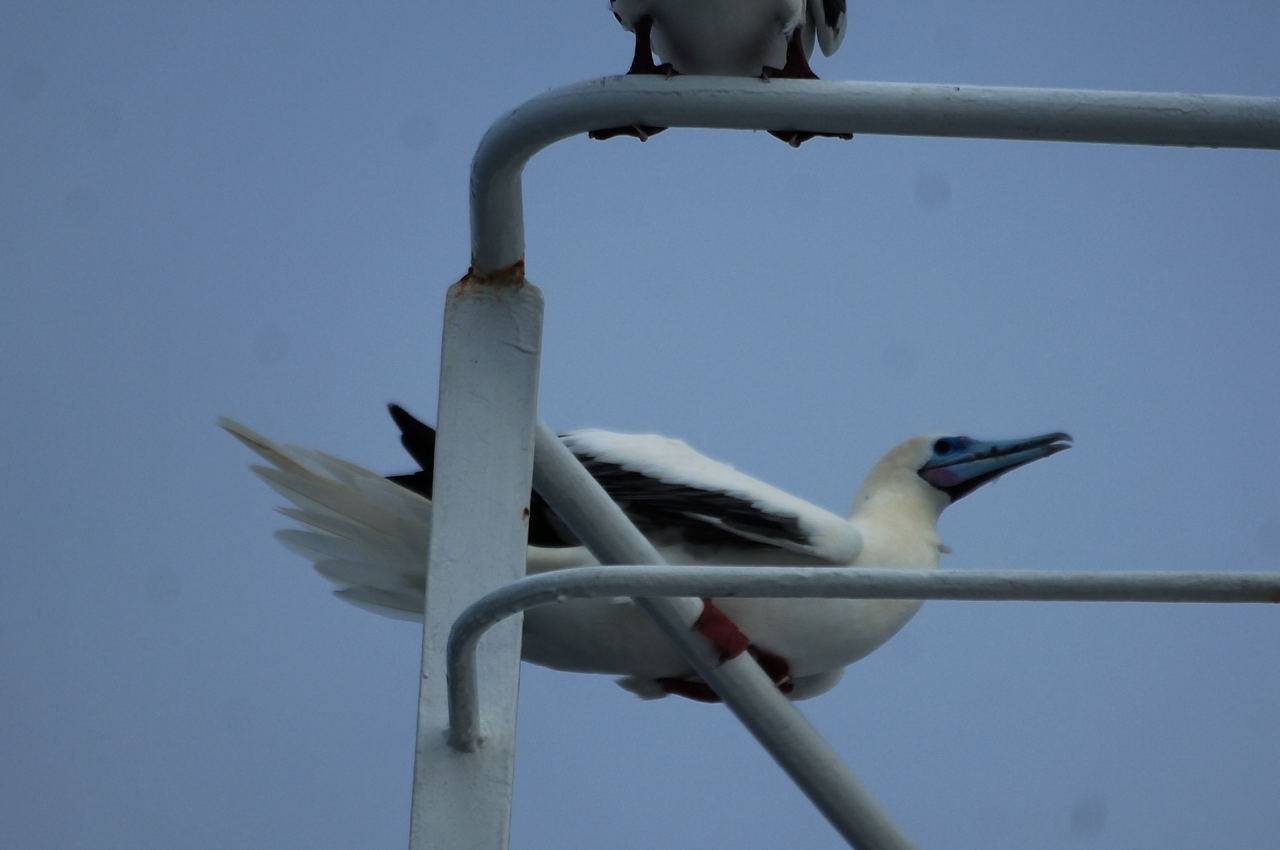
(397, 606)
(366, 534)
(358, 576)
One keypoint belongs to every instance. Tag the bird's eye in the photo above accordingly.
(944, 446)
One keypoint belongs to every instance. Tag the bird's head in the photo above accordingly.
(938, 469)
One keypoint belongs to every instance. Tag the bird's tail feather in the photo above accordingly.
(366, 534)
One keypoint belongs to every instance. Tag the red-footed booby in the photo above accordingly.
(733, 38)
(369, 534)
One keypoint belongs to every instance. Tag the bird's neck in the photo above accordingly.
(899, 526)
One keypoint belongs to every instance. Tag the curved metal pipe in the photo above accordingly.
(904, 109)
(497, 270)
(818, 582)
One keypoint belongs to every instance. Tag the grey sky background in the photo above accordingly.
(255, 209)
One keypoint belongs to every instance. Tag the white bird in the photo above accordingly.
(735, 38)
(369, 534)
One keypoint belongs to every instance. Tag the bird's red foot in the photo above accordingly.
(641, 63)
(716, 626)
(698, 691)
(777, 668)
(796, 68)
(640, 132)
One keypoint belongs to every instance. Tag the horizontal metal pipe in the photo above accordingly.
(908, 109)
(844, 582)
(881, 583)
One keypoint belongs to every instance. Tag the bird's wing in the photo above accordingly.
(677, 496)
(365, 533)
(830, 20)
(419, 440)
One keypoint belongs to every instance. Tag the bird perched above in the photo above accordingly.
(369, 534)
(733, 38)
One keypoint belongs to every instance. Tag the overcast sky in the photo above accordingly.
(255, 209)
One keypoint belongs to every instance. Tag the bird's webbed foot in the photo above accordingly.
(796, 68)
(641, 63)
(716, 626)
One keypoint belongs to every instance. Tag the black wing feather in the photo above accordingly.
(665, 512)
(419, 440)
(832, 10)
(672, 512)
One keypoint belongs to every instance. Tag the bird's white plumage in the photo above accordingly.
(733, 37)
(370, 536)
(366, 534)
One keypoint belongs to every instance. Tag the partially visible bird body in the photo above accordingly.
(736, 38)
(733, 37)
(717, 36)
(816, 636)
(370, 535)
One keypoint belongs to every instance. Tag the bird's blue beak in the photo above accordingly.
(961, 465)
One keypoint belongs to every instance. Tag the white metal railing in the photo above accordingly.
(901, 109)
(815, 583)
(488, 388)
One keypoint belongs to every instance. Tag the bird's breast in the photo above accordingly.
(819, 635)
(727, 37)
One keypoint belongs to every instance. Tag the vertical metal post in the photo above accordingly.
(484, 458)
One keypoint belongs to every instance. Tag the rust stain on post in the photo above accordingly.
(512, 275)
